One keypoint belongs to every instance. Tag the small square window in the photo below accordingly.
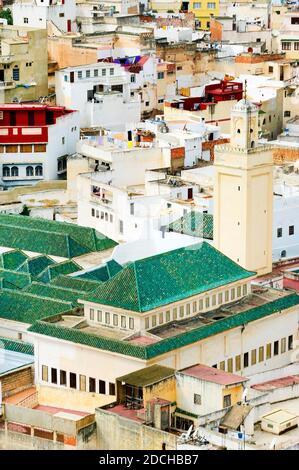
(291, 230)
(279, 232)
(197, 399)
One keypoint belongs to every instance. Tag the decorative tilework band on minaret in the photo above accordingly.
(244, 193)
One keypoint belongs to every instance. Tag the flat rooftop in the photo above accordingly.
(11, 360)
(147, 376)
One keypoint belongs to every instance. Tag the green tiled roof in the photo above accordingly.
(36, 265)
(50, 237)
(71, 282)
(17, 346)
(103, 273)
(12, 259)
(168, 344)
(13, 279)
(54, 292)
(66, 267)
(195, 224)
(27, 308)
(168, 277)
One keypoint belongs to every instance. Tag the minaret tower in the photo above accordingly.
(243, 193)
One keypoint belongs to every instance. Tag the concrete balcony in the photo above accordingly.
(7, 85)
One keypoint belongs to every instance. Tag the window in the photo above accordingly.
(15, 171)
(220, 296)
(102, 387)
(111, 72)
(283, 345)
(279, 232)
(107, 318)
(232, 294)
(121, 226)
(291, 230)
(227, 401)
(111, 218)
(63, 140)
(160, 318)
(295, 20)
(226, 296)
(276, 348)
(82, 383)
(40, 148)
(230, 365)
(80, 75)
(63, 377)
(261, 354)
(245, 289)
(161, 100)
(160, 75)
(283, 254)
(200, 304)
(268, 351)
(45, 373)
(286, 46)
(147, 103)
(73, 380)
(146, 323)
(91, 314)
(115, 320)
(92, 384)
(182, 311)
(132, 208)
(154, 320)
(246, 359)
(168, 315)
(123, 321)
(207, 302)
(214, 300)
(25, 20)
(5, 171)
(97, 214)
(296, 46)
(131, 323)
(133, 78)
(196, 5)
(287, 113)
(239, 291)
(53, 375)
(238, 363)
(222, 365)
(95, 73)
(93, 212)
(188, 309)
(103, 72)
(87, 73)
(197, 399)
(61, 15)
(39, 170)
(270, 69)
(111, 388)
(253, 357)
(290, 342)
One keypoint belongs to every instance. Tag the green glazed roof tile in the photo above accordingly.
(16, 346)
(167, 344)
(54, 292)
(50, 237)
(195, 224)
(27, 308)
(72, 282)
(36, 265)
(12, 259)
(66, 267)
(14, 280)
(168, 277)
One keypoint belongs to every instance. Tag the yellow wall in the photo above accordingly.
(235, 392)
(164, 6)
(166, 389)
(203, 13)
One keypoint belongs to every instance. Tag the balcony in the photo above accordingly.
(7, 85)
(6, 59)
(101, 200)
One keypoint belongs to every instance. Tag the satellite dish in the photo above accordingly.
(244, 394)
(273, 442)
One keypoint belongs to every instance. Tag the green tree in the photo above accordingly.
(7, 15)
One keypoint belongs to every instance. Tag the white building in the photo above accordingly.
(35, 141)
(101, 92)
(37, 13)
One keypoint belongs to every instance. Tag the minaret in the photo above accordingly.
(243, 193)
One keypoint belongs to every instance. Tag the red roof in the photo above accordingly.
(211, 374)
(277, 383)
(143, 60)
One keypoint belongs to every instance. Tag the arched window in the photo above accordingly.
(15, 171)
(6, 171)
(39, 170)
(252, 144)
(29, 171)
(238, 131)
(16, 73)
(283, 254)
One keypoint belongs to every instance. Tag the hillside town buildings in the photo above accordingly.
(149, 227)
